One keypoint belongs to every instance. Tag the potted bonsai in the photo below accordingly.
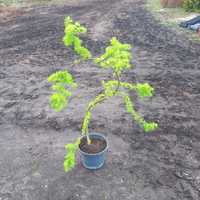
(117, 57)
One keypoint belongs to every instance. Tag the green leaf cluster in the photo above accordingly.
(60, 81)
(71, 38)
(144, 90)
(110, 87)
(70, 157)
(117, 56)
(147, 126)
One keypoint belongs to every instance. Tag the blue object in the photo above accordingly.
(97, 160)
(195, 27)
(190, 22)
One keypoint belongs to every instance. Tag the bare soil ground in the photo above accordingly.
(164, 165)
(8, 13)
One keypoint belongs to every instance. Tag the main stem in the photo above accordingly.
(118, 83)
(99, 101)
(90, 108)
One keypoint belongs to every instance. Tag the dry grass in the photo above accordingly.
(171, 17)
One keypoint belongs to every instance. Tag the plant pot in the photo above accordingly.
(89, 158)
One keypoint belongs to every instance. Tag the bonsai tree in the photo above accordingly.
(117, 57)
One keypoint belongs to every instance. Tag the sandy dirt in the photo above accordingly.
(163, 165)
(9, 13)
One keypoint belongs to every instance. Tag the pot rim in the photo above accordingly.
(95, 154)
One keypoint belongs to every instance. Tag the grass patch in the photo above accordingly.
(10, 2)
(171, 17)
(166, 14)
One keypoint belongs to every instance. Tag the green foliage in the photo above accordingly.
(117, 56)
(191, 5)
(150, 126)
(60, 81)
(80, 50)
(144, 90)
(70, 157)
(110, 87)
(63, 77)
(71, 38)
(116, 87)
(147, 126)
(58, 101)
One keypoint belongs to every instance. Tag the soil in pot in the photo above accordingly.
(97, 145)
